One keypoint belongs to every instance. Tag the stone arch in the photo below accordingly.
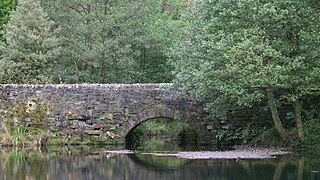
(156, 112)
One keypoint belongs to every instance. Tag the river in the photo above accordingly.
(86, 163)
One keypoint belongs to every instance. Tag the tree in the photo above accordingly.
(31, 47)
(115, 41)
(241, 52)
(6, 6)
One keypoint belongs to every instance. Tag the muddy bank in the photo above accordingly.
(249, 153)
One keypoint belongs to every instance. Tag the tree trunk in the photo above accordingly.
(275, 115)
(298, 119)
(102, 67)
(77, 71)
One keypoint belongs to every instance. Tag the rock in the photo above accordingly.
(67, 131)
(226, 127)
(85, 126)
(92, 121)
(100, 126)
(93, 132)
(50, 121)
(79, 132)
(111, 134)
(104, 137)
(74, 124)
(54, 128)
(65, 124)
(82, 117)
(223, 122)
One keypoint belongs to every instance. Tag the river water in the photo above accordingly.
(84, 163)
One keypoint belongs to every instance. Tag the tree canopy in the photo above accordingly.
(238, 53)
(6, 6)
(31, 47)
(115, 41)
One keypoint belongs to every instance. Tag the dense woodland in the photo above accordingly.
(231, 54)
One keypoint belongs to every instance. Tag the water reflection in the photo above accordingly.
(82, 163)
(159, 162)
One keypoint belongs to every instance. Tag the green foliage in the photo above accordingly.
(270, 137)
(115, 41)
(312, 132)
(31, 47)
(161, 126)
(102, 41)
(247, 135)
(102, 117)
(6, 6)
(237, 51)
(161, 131)
(22, 125)
(311, 116)
(113, 128)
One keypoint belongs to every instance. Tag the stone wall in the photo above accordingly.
(106, 111)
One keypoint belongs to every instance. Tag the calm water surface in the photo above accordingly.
(81, 163)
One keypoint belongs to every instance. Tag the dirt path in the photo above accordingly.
(244, 153)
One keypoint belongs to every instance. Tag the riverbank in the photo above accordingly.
(240, 153)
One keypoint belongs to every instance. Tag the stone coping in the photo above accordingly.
(91, 86)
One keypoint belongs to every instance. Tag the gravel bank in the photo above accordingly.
(247, 153)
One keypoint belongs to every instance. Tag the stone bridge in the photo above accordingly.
(109, 110)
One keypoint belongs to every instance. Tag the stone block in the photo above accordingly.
(65, 124)
(223, 122)
(85, 126)
(100, 126)
(209, 127)
(93, 121)
(226, 127)
(93, 132)
(79, 132)
(74, 124)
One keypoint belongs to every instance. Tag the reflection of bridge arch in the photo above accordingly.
(159, 162)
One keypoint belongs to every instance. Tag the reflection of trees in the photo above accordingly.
(65, 163)
(159, 162)
(14, 164)
(300, 168)
(297, 163)
(91, 163)
(279, 169)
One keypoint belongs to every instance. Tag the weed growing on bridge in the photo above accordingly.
(22, 124)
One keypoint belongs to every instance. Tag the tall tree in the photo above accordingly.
(31, 48)
(242, 52)
(6, 6)
(114, 41)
